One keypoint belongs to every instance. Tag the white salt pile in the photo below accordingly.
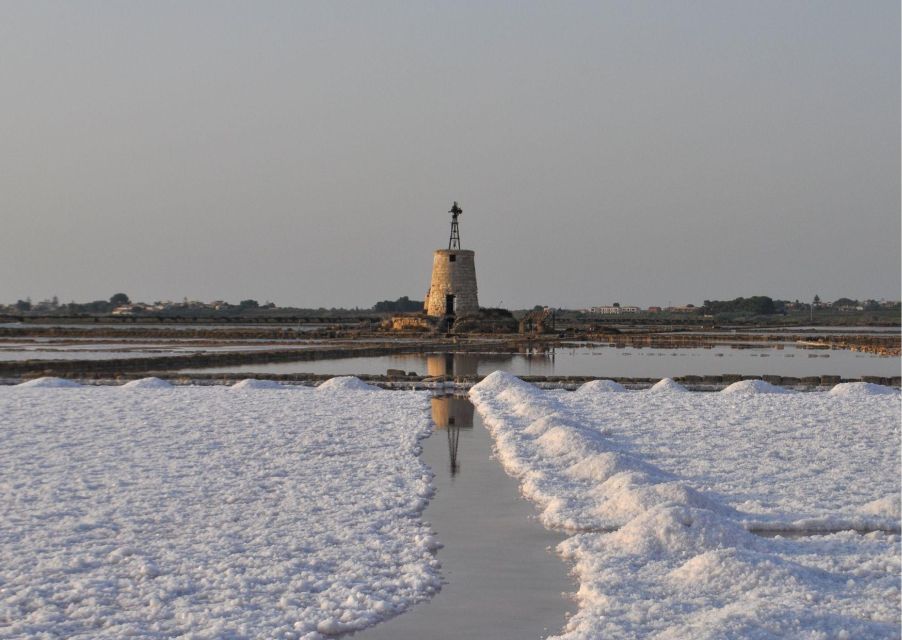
(751, 387)
(887, 507)
(147, 383)
(346, 383)
(253, 383)
(862, 389)
(601, 386)
(49, 382)
(667, 385)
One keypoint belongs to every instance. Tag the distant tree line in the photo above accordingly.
(496, 312)
(735, 308)
(401, 305)
(756, 305)
(53, 305)
(867, 305)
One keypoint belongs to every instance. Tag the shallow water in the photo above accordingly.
(113, 351)
(602, 361)
(501, 579)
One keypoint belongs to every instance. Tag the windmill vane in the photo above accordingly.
(454, 242)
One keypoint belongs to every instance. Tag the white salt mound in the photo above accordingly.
(859, 389)
(48, 382)
(601, 386)
(667, 385)
(346, 383)
(752, 387)
(147, 383)
(253, 383)
(887, 507)
(498, 381)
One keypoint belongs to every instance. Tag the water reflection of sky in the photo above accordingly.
(604, 361)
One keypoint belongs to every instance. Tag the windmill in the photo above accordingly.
(452, 290)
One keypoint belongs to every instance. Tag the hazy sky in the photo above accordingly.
(307, 153)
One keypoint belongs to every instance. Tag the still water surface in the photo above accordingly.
(501, 579)
(632, 362)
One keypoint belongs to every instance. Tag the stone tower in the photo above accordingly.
(453, 288)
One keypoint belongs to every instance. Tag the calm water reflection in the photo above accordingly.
(501, 579)
(451, 414)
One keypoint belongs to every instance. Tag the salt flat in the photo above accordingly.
(802, 461)
(266, 511)
(664, 486)
(210, 512)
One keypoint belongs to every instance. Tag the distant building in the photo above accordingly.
(614, 310)
(655, 309)
(128, 310)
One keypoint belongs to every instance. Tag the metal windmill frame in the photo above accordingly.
(454, 242)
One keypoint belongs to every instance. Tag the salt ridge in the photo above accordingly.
(680, 563)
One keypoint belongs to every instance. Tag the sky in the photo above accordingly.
(646, 153)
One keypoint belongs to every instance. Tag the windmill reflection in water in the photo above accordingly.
(452, 413)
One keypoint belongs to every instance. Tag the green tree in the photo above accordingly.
(118, 299)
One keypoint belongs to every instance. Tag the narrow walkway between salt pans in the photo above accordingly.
(502, 578)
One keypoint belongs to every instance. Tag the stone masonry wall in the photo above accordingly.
(457, 278)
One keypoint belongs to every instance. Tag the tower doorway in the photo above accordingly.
(449, 304)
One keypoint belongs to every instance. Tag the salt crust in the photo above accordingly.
(199, 512)
(680, 562)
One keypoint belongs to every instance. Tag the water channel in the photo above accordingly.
(601, 361)
(502, 578)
